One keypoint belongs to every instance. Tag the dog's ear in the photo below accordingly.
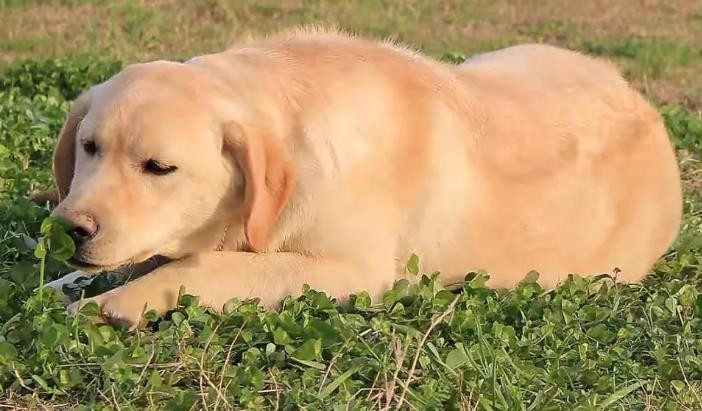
(270, 178)
(65, 152)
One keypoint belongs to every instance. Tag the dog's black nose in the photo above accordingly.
(83, 227)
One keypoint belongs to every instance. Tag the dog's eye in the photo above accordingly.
(156, 168)
(90, 147)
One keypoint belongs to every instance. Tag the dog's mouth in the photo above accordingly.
(91, 267)
(85, 265)
(82, 260)
(153, 262)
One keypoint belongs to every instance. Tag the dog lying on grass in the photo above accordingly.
(313, 157)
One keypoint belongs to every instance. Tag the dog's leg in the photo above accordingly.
(217, 277)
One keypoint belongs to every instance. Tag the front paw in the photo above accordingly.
(113, 309)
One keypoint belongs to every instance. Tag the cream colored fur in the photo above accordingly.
(317, 158)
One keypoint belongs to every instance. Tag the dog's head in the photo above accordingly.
(158, 160)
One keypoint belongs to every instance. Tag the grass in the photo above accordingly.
(588, 345)
(657, 41)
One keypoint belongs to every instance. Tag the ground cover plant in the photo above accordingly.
(587, 345)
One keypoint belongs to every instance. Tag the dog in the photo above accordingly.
(317, 157)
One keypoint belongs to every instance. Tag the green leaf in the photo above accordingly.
(457, 357)
(40, 250)
(62, 246)
(312, 364)
(332, 386)
(24, 273)
(151, 316)
(53, 335)
(309, 350)
(187, 300)
(322, 330)
(362, 301)
(177, 317)
(8, 352)
(42, 382)
(601, 334)
(281, 337)
(413, 264)
(155, 381)
(231, 306)
(443, 299)
(619, 395)
(90, 309)
(476, 280)
(453, 57)
(531, 277)
(698, 306)
(678, 385)
(183, 400)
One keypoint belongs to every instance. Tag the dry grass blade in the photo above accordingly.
(433, 324)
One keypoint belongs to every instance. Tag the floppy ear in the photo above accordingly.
(65, 151)
(269, 181)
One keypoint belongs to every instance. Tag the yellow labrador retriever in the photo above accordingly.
(313, 157)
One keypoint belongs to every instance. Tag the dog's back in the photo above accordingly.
(575, 172)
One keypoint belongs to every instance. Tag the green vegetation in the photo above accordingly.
(657, 42)
(588, 345)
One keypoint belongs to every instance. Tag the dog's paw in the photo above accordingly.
(113, 309)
